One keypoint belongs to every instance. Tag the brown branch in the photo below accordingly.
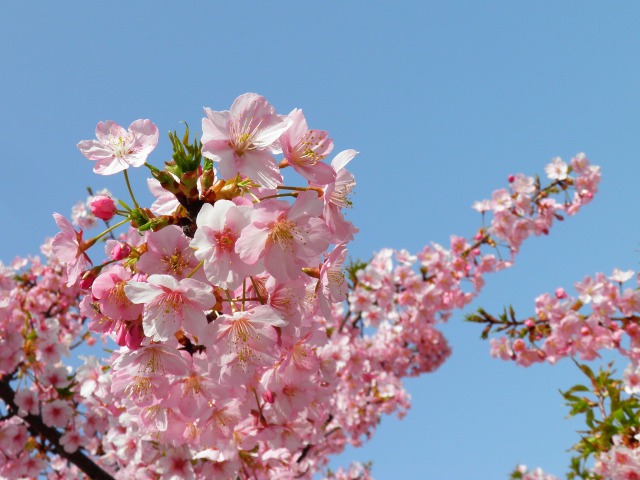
(36, 424)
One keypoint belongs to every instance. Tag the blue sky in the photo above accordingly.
(442, 100)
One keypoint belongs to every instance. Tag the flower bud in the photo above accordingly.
(561, 293)
(120, 251)
(103, 207)
(135, 335)
(268, 396)
(87, 279)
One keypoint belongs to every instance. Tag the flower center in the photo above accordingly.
(242, 131)
(311, 149)
(225, 240)
(121, 146)
(282, 233)
(176, 263)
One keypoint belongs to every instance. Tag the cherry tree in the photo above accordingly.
(241, 340)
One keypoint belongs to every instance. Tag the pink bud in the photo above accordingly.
(103, 207)
(129, 334)
(135, 335)
(121, 334)
(585, 331)
(560, 293)
(529, 323)
(511, 178)
(120, 251)
(268, 396)
(87, 279)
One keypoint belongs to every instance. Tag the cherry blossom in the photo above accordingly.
(117, 149)
(249, 346)
(171, 304)
(243, 139)
(219, 227)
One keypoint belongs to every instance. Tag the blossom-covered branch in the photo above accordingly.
(244, 350)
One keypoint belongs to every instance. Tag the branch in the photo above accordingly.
(35, 422)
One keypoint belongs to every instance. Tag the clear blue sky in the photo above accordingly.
(443, 100)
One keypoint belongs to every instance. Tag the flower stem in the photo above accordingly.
(126, 178)
(255, 287)
(295, 195)
(244, 292)
(232, 304)
(108, 230)
(197, 267)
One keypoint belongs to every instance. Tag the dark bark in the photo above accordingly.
(36, 425)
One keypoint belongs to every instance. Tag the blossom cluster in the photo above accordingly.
(39, 326)
(523, 473)
(561, 329)
(248, 346)
(622, 462)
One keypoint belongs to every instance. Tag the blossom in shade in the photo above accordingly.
(117, 149)
(56, 413)
(243, 139)
(27, 402)
(71, 441)
(170, 305)
(166, 202)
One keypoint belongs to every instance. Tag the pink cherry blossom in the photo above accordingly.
(171, 304)
(166, 202)
(27, 401)
(109, 290)
(305, 150)
(168, 253)
(557, 169)
(56, 413)
(247, 337)
(243, 139)
(336, 198)
(69, 248)
(117, 149)
(219, 228)
(82, 217)
(332, 287)
(71, 441)
(286, 237)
